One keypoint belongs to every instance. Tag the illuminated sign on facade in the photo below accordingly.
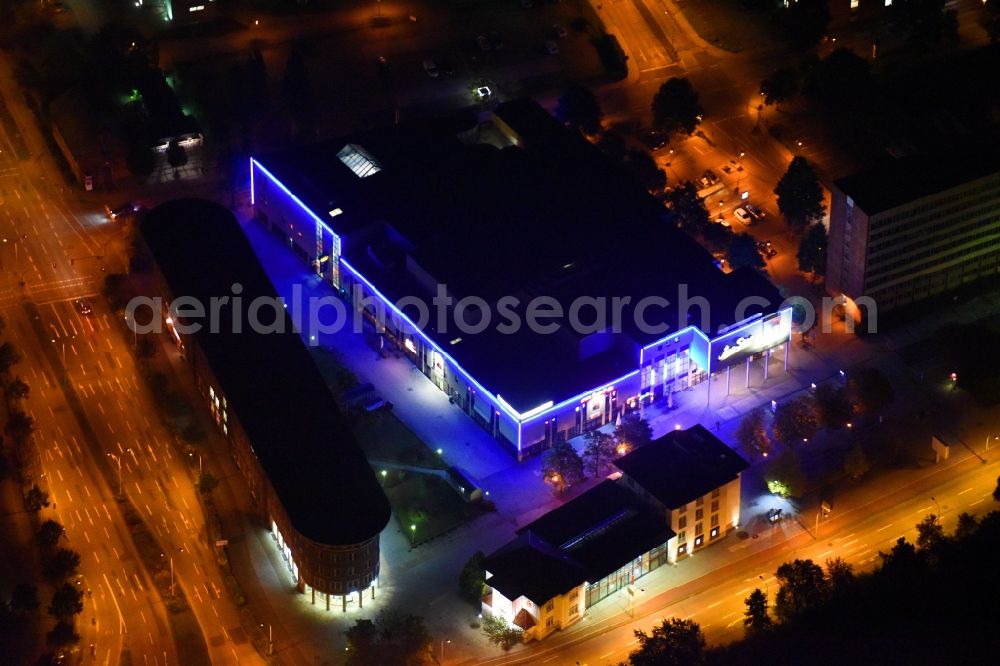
(759, 335)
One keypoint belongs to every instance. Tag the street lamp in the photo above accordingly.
(763, 580)
(444, 642)
(937, 518)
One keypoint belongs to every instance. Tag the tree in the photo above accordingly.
(673, 642)
(256, 84)
(751, 434)
(812, 250)
(207, 483)
(870, 390)
(967, 525)
(996, 491)
(784, 477)
(688, 209)
(63, 564)
(20, 426)
(176, 155)
(472, 579)
(644, 169)
(598, 451)
(901, 561)
(989, 20)
(841, 80)
(36, 498)
(800, 196)
(562, 466)
(634, 431)
(393, 638)
(743, 252)
(756, 619)
(115, 291)
(613, 144)
(930, 534)
(795, 421)
(803, 587)
(67, 601)
(924, 23)
(833, 406)
(24, 598)
(804, 23)
(18, 389)
(578, 108)
(9, 357)
(780, 86)
(500, 633)
(295, 88)
(62, 634)
(145, 350)
(139, 158)
(840, 574)
(676, 108)
(856, 464)
(49, 533)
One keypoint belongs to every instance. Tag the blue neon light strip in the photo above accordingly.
(510, 411)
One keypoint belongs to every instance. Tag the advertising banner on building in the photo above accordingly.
(758, 335)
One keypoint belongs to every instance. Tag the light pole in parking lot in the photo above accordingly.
(119, 461)
(135, 336)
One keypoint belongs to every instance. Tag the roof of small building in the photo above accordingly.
(582, 541)
(682, 465)
(297, 431)
(897, 182)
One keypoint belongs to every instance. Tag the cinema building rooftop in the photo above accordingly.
(504, 205)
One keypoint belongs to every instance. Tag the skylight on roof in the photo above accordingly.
(358, 161)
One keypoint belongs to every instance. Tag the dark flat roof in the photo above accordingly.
(297, 431)
(552, 216)
(897, 182)
(682, 465)
(584, 540)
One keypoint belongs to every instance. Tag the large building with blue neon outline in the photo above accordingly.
(511, 204)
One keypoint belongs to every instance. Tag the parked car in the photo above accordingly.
(83, 306)
(124, 211)
(743, 216)
(653, 139)
(723, 221)
(709, 178)
(431, 68)
(496, 41)
(755, 213)
(559, 31)
(766, 249)
(551, 47)
(484, 44)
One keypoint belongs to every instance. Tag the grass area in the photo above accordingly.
(383, 436)
(426, 506)
(729, 25)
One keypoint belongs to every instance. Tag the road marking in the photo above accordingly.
(976, 502)
(884, 527)
(730, 615)
(965, 491)
(715, 604)
(543, 660)
(822, 555)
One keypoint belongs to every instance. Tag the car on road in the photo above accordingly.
(743, 216)
(756, 213)
(484, 44)
(653, 139)
(431, 68)
(766, 249)
(551, 47)
(124, 211)
(83, 306)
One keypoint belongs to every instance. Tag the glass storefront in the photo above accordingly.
(627, 574)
